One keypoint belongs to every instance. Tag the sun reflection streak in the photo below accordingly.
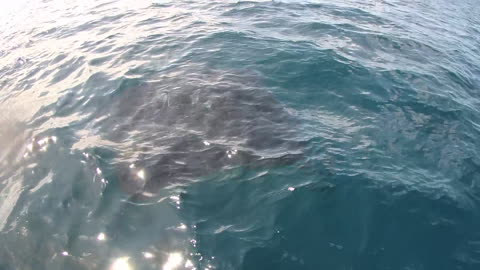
(121, 264)
(101, 237)
(176, 199)
(141, 174)
(188, 264)
(39, 145)
(174, 260)
(148, 255)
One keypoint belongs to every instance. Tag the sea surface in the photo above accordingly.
(303, 135)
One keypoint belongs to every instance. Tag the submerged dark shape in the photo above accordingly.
(184, 127)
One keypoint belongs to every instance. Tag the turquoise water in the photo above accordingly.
(240, 135)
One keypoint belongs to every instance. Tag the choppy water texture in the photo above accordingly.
(240, 135)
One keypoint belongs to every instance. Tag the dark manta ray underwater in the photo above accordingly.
(187, 127)
(163, 136)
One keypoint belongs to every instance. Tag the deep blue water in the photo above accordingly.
(339, 135)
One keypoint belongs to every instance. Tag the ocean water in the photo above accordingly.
(339, 135)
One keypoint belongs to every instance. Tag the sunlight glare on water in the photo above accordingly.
(121, 263)
(174, 261)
